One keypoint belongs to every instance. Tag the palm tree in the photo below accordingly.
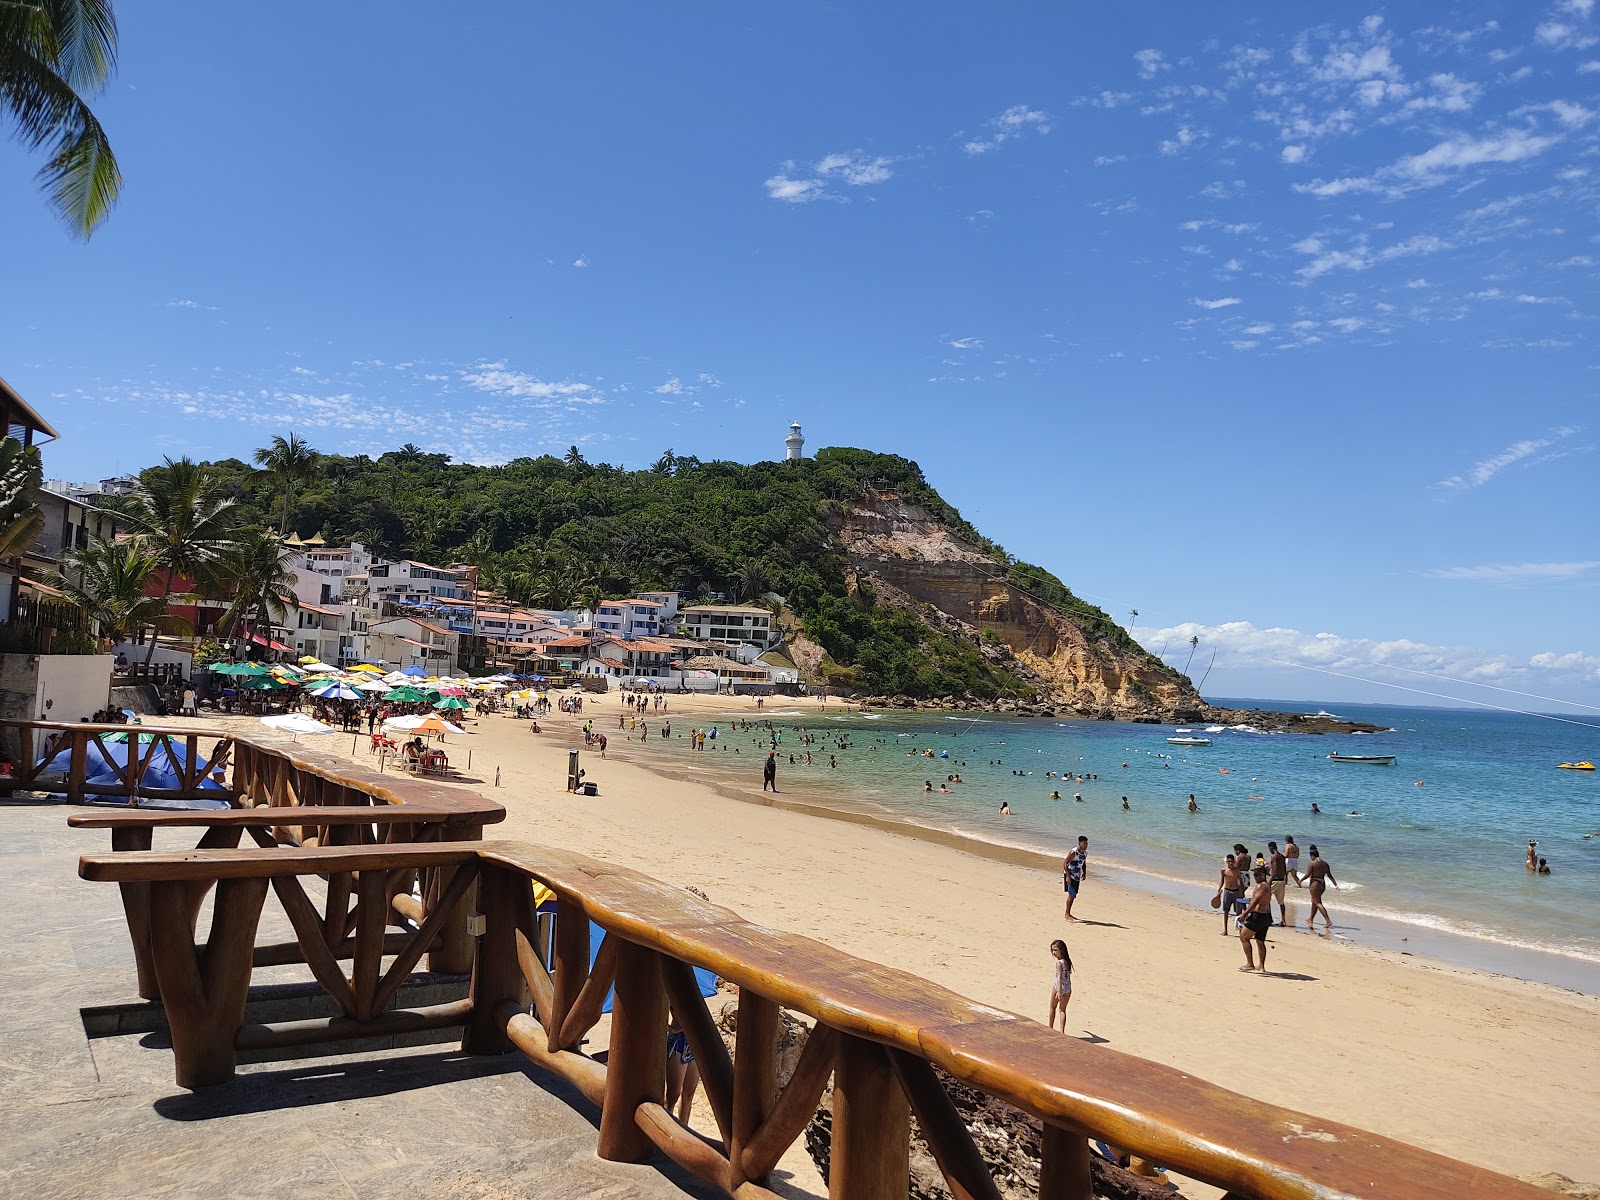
(751, 579)
(289, 461)
(1193, 642)
(183, 520)
(574, 457)
(666, 464)
(52, 54)
(110, 581)
(1133, 615)
(259, 570)
(21, 522)
(409, 453)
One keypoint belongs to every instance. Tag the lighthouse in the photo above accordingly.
(796, 442)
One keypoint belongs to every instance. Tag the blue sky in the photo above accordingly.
(1280, 332)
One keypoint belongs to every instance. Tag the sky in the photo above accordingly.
(1273, 322)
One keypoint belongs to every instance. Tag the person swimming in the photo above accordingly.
(1055, 795)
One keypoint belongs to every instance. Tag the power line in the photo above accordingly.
(1470, 683)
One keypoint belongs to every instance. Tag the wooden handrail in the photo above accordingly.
(878, 1031)
(266, 816)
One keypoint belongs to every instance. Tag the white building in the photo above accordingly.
(728, 623)
(795, 443)
(407, 641)
(410, 582)
(632, 618)
(336, 562)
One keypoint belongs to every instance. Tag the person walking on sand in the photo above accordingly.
(1278, 870)
(1291, 857)
(1230, 887)
(1074, 869)
(1060, 983)
(1318, 875)
(769, 772)
(1256, 921)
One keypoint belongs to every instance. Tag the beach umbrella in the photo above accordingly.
(262, 683)
(240, 669)
(414, 671)
(335, 689)
(431, 723)
(297, 723)
(407, 695)
(368, 668)
(310, 660)
(374, 687)
(397, 679)
(452, 702)
(451, 689)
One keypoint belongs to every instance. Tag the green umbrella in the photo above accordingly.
(261, 683)
(240, 669)
(406, 695)
(452, 702)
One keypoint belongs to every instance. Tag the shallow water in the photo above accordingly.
(1439, 843)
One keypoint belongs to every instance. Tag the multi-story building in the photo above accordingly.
(407, 641)
(336, 562)
(632, 618)
(728, 623)
(410, 582)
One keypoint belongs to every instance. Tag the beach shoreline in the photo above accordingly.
(1412, 1047)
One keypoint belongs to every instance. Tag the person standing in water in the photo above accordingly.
(1291, 857)
(1193, 807)
(1318, 875)
(1060, 983)
(769, 772)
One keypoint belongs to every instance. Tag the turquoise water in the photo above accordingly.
(1439, 845)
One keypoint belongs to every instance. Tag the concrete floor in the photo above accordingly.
(102, 1117)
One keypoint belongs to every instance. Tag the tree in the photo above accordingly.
(53, 53)
(259, 570)
(110, 581)
(181, 517)
(574, 457)
(1193, 643)
(751, 579)
(666, 464)
(289, 461)
(21, 522)
(1133, 615)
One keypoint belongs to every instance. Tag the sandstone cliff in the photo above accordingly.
(1082, 662)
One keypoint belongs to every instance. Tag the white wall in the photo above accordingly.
(72, 686)
(164, 654)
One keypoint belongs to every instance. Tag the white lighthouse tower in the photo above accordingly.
(796, 442)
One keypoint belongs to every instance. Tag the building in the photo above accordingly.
(794, 444)
(334, 562)
(408, 641)
(409, 582)
(728, 623)
(88, 493)
(615, 658)
(629, 618)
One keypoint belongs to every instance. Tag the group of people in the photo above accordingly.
(1246, 893)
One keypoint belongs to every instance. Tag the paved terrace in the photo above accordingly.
(90, 1116)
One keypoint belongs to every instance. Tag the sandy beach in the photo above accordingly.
(1493, 1070)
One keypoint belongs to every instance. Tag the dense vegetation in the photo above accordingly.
(555, 532)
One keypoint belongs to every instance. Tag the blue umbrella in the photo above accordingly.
(414, 671)
(336, 690)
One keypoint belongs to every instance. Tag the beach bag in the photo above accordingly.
(1216, 901)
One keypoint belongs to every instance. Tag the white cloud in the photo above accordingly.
(1563, 35)
(1260, 330)
(581, 261)
(1106, 160)
(1359, 256)
(1436, 165)
(1573, 116)
(1009, 125)
(1486, 469)
(1589, 68)
(674, 387)
(193, 305)
(1293, 154)
(966, 343)
(855, 168)
(1151, 63)
(795, 191)
(1223, 302)
(496, 380)
(1515, 573)
(1183, 139)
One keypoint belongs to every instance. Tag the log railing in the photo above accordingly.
(332, 803)
(32, 746)
(878, 1033)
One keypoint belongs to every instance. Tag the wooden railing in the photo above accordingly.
(33, 745)
(289, 796)
(878, 1033)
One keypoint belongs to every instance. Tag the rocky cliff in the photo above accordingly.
(1085, 663)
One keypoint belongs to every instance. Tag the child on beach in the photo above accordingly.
(1060, 983)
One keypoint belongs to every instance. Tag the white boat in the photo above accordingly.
(1188, 741)
(1377, 760)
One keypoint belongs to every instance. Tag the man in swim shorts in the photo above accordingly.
(1256, 921)
(1230, 887)
(1073, 870)
(1278, 869)
(1291, 854)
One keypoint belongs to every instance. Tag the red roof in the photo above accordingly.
(572, 642)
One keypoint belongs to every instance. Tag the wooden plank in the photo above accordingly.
(870, 1158)
(581, 1071)
(263, 815)
(636, 1066)
(335, 1029)
(943, 1128)
(496, 975)
(755, 1074)
(710, 1052)
(136, 908)
(571, 965)
(456, 947)
(794, 1107)
(534, 973)
(448, 909)
(683, 1146)
(238, 864)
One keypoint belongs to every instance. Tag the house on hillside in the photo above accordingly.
(628, 618)
(408, 641)
(728, 623)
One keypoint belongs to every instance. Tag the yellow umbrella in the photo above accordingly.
(369, 668)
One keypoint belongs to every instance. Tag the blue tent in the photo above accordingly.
(164, 769)
(706, 979)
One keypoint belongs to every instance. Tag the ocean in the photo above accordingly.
(1429, 852)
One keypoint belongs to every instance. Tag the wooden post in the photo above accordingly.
(78, 764)
(636, 1068)
(755, 1073)
(871, 1154)
(496, 975)
(204, 991)
(1064, 1165)
(571, 965)
(454, 955)
(136, 906)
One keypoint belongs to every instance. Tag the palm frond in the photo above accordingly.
(86, 41)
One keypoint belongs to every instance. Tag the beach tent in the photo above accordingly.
(164, 769)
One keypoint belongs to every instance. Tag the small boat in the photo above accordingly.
(1188, 741)
(1377, 760)
(1585, 765)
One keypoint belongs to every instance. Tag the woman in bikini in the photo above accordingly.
(1318, 876)
(1060, 983)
